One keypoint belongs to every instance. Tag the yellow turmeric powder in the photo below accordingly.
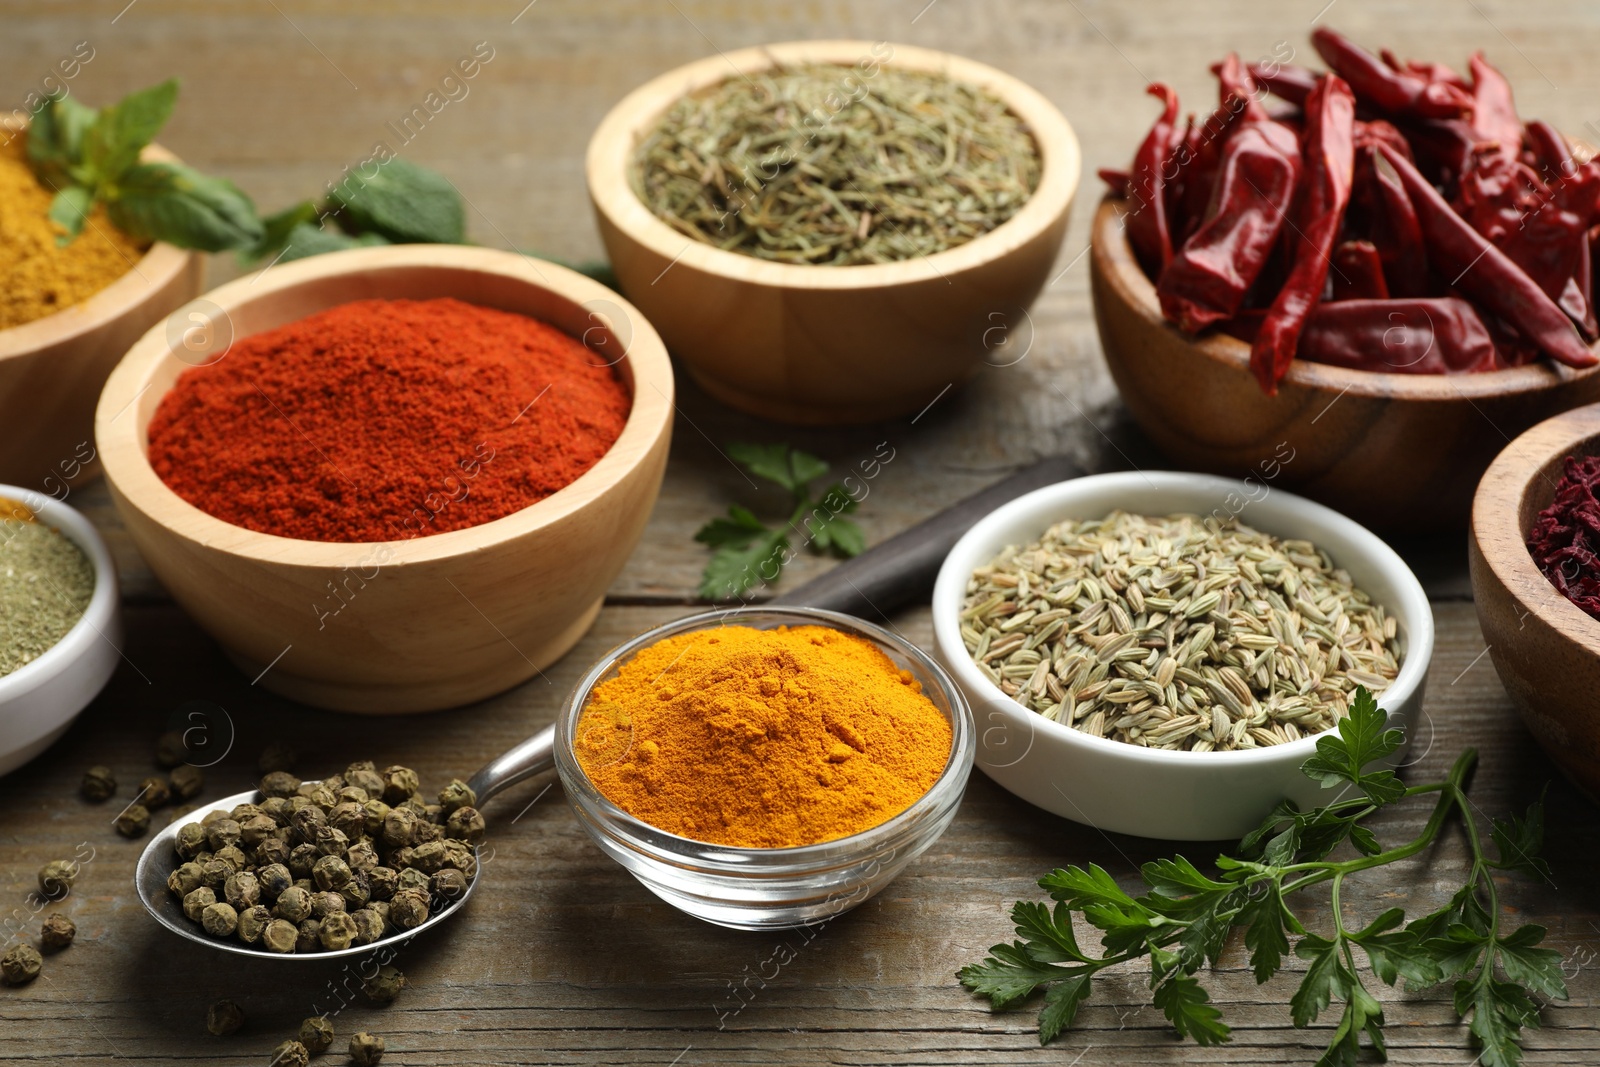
(762, 738)
(36, 277)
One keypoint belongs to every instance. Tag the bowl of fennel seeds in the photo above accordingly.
(833, 232)
(1156, 653)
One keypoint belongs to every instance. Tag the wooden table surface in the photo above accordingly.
(562, 957)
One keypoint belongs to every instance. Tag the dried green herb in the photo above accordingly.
(748, 552)
(1184, 920)
(833, 165)
(46, 582)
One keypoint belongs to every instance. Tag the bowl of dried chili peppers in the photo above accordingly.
(395, 478)
(1535, 560)
(1378, 269)
(839, 231)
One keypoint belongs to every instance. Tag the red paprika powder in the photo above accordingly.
(382, 420)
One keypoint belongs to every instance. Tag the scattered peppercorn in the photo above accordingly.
(134, 821)
(366, 1049)
(21, 965)
(56, 878)
(154, 792)
(290, 1054)
(224, 1018)
(171, 749)
(316, 1034)
(186, 781)
(383, 986)
(57, 931)
(98, 784)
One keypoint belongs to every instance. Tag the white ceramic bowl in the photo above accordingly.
(39, 700)
(1123, 788)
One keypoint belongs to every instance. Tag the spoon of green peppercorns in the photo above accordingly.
(337, 867)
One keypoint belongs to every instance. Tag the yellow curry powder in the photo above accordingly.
(36, 277)
(762, 738)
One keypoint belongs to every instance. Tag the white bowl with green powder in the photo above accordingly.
(60, 630)
(1150, 674)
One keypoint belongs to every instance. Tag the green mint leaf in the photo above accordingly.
(1049, 934)
(401, 202)
(1009, 974)
(55, 139)
(1188, 1007)
(1178, 877)
(111, 145)
(1265, 937)
(790, 468)
(732, 572)
(69, 209)
(1539, 969)
(1361, 740)
(276, 230)
(177, 204)
(308, 239)
(1061, 1007)
(1322, 982)
(1520, 840)
(737, 530)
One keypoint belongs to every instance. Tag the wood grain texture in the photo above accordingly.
(562, 958)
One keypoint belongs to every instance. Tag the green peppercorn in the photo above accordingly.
(429, 856)
(330, 872)
(220, 919)
(399, 783)
(408, 909)
(224, 1018)
(256, 829)
(21, 964)
(134, 821)
(316, 1034)
(186, 781)
(465, 824)
(383, 881)
(308, 939)
(457, 794)
(272, 850)
(98, 784)
(232, 856)
(185, 880)
(338, 931)
(242, 890)
(253, 922)
(449, 884)
(384, 985)
(369, 925)
(57, 931)
(349, 818)
(366, 1049)
(361, 856)
(320, 794)
(215, 873)
(171, 749)
(279, 784)
(353, 794)
(280, 935)
(302, 858)
(56, 878)
(190, 840)
(154, 792)
(274, 878)
(290, 1054)
(325, 904)
(293, 904)
(412, 878)
(331, 841)
(197, 901)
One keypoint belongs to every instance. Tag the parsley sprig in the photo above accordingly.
(1184, 919)
(748, 552)
(91, 157)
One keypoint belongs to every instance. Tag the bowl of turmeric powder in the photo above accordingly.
(765, 768)
(67, 314)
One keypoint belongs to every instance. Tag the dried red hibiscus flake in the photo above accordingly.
(1377, 206)
(1565, 539)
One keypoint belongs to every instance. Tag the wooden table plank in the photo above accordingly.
(562, 958)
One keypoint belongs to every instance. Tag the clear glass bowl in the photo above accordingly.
(771, 888)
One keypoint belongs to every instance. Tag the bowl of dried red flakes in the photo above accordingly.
(1358, 283)
(1535, 560)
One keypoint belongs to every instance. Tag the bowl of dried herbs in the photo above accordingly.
(840, 230)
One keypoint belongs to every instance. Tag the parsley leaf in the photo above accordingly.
(1361, 740)
(1188, 1007)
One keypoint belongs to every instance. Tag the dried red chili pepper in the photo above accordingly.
(1550, 150)
(1148, 228)
(1565, 539)
(1400, 93)
(1494, 115)
(1285, 80)
(1394, 229)
(1379, 132)
(1208, 277)
(1486, 273)
(1200, 155)
(1324, 193)
(1237, 90)
(1441, 148)
(1440, 335)
(1358, 272)
(1433, 72)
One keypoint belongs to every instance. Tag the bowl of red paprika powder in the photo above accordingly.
(1544, 642)
(392, 479)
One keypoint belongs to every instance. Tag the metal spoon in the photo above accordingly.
(159, 859)
(882, 579)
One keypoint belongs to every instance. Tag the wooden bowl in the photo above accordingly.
(818, 344)
(51, 369)
(1398, 452)
(1545, 648)
(426, 623)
